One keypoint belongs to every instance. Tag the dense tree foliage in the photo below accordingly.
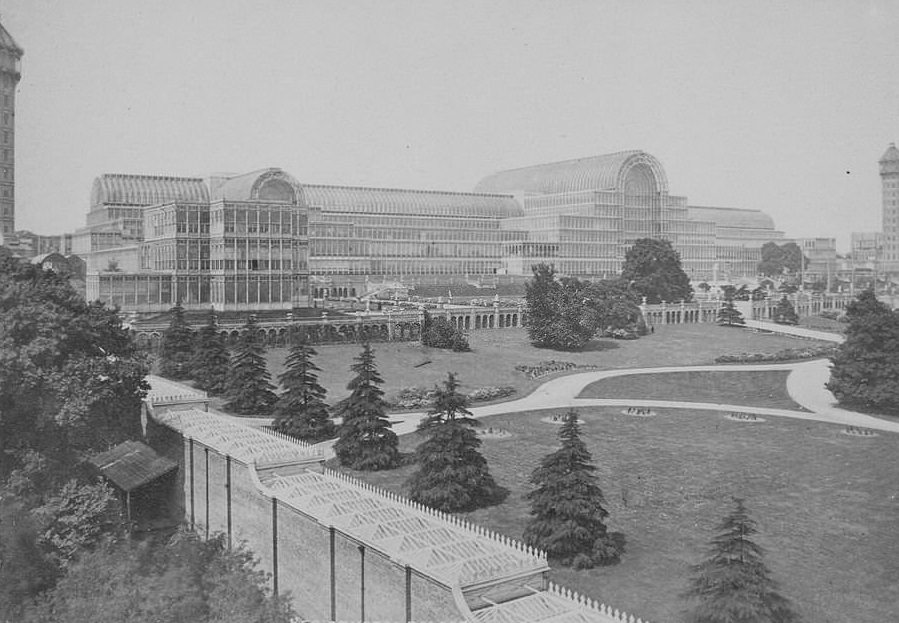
(177, 347)
(567, 506)
(653, 268)
(452, 475)
(366, 440)
(71, 383)
(865, 371)
(785, 313)
(440, 333)
(733, 585)
(250, 390)
(729, 315)
(301, 410)
(211, 360)
(566, 313)
(71, 380)
(183, 580)
(783, 259)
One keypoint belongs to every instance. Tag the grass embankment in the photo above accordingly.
(765, 388)
(495, 353)
(825, 503)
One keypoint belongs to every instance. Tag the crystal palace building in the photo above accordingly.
(264, 240)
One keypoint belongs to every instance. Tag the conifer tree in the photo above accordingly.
(729, 315)
(366, 440)
(250, 390)
(211, 360)
(452, 474)
(177, 346)
(784, 313)
(301, 410)
(865, 371)
(734, 585)
(567, 506)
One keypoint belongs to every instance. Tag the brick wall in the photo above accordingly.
(329, 575)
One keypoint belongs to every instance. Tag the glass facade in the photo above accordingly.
(257, 240)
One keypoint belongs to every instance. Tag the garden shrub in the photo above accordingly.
(788, 354)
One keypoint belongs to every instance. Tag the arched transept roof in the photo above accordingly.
(891, 154)
(270, 184)
(606, 172)
(146, 190)
(410, 202)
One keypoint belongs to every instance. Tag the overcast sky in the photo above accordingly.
(780, 106)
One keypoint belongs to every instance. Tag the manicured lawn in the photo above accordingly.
(826, 504)
(495, 353)
(765, 388)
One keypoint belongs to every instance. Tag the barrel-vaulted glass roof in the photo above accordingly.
(364, 200)
(147, 190)
(732, 217)
(606, 172)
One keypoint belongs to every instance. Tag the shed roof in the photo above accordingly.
(131, 465)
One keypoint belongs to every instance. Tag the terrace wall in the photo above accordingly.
(329, 574)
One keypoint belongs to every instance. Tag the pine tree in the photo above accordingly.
(784, 313)
(250, 390)
(734, 585)
(452, 474)
(211, 360)
(729, 315)
(568, 506)
(366, 440)
(177, 346)
(301, 410)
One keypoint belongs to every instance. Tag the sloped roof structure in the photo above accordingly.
(363, 200)
(732, 217)
(229, 437)
(131, 465)
(554, 605)
(146, 190)
(605, 172)
(163, 391)
(437, 544)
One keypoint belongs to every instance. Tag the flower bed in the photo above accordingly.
(423, 397)
(788, 354)
(550, 367)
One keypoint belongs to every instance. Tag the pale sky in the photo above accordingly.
(782, 106)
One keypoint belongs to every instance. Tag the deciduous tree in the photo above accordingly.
(366, 440)
(301, 411)
(733, 585)
(567, 506)
(185, 579)
(452, 475)
(250, 390)
(653, 267)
